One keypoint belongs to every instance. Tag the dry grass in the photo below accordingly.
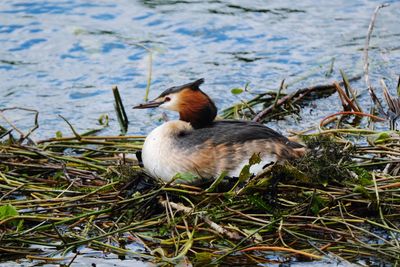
(340, 202)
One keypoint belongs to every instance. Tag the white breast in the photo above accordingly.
(158, 155)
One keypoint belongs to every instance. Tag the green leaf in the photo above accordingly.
(8, 211)
(382, 137)
(217, 181)
(59, 134)
(364, 176)
(255, 159)
(317, 204)
(186, 177)
(237, 91)
(245, 173)
(163, 230)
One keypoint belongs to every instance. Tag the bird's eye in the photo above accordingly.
(167, 99)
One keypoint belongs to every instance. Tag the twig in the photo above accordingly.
(296, 96)
(71, 127)
(213, 225)
(324, 120)
(345, 98)
(268, 248)
(279, 92)
(348, 88)
(393, 103)
(5, 133)
(301, 92)
(22, 135)
(366, 63)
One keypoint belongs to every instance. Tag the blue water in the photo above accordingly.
(62, 57)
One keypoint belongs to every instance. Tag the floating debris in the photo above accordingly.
(340, 202)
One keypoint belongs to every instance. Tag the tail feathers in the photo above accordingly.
(299, 152)
(297, 147)
(295, 142)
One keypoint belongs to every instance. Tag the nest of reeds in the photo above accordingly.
(340, 202)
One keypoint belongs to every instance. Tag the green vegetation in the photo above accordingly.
(340, 202)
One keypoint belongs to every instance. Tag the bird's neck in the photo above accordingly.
(197, 109)
(199, 116)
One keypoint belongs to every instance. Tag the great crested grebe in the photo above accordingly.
(203, 147)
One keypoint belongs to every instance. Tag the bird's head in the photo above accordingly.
(193, 105)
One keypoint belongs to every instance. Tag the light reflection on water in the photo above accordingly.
(62, 57)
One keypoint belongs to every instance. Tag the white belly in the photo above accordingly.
(158, 154)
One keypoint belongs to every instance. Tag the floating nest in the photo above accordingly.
(341, 202)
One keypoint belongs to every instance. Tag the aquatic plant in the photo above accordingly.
(340, 202)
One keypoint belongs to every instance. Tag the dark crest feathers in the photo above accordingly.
(193, 85)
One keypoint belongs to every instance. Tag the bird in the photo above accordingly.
(202, 147)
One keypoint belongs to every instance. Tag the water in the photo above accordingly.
(63, 57)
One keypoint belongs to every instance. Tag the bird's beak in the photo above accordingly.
(151, 104)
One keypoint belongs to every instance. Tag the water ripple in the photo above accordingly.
(63, 57)
(28, 44)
